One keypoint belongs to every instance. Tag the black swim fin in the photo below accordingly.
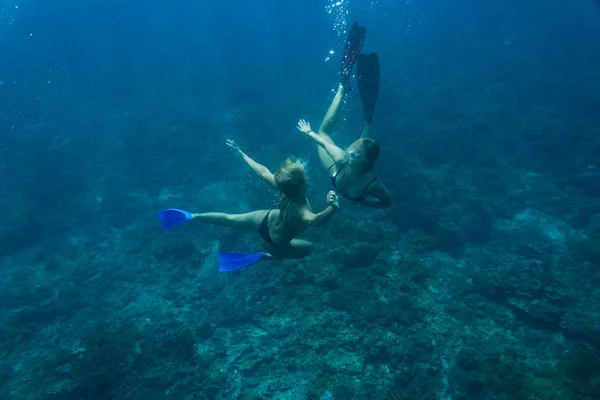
(367, 67)
(354, 43)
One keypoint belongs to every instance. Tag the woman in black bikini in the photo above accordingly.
(352, 171)
(279, 227)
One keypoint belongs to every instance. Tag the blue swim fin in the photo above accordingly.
(233, 261)
(172, 217)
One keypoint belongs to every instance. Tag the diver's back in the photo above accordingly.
(287, 222)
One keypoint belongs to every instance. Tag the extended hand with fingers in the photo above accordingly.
(333, 200)
(234, 146)
(304, 126)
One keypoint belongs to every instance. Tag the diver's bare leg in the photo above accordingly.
(249, 221)
(367, 132)
(298, 248)
(331, 117)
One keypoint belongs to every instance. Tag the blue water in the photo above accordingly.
(479, 282)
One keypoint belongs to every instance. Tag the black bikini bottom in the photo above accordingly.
(263, 231)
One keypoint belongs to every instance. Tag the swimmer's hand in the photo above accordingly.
(259, 169)
(234, 146)
(333, 200)
(338, 155)
(304, 126)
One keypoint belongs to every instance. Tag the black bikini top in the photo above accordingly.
(334, 177)
(287, 208)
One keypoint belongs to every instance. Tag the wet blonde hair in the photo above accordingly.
(290, 178)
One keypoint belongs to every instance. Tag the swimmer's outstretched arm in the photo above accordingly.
(259, 169)
(338, 155)
(320, 219)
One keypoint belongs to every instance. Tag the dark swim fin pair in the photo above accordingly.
(173, 217)
(367, 68)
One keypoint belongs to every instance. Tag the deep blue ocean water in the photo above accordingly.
(480, 282)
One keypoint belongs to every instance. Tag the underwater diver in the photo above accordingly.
(278, 227)
(352, 171)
